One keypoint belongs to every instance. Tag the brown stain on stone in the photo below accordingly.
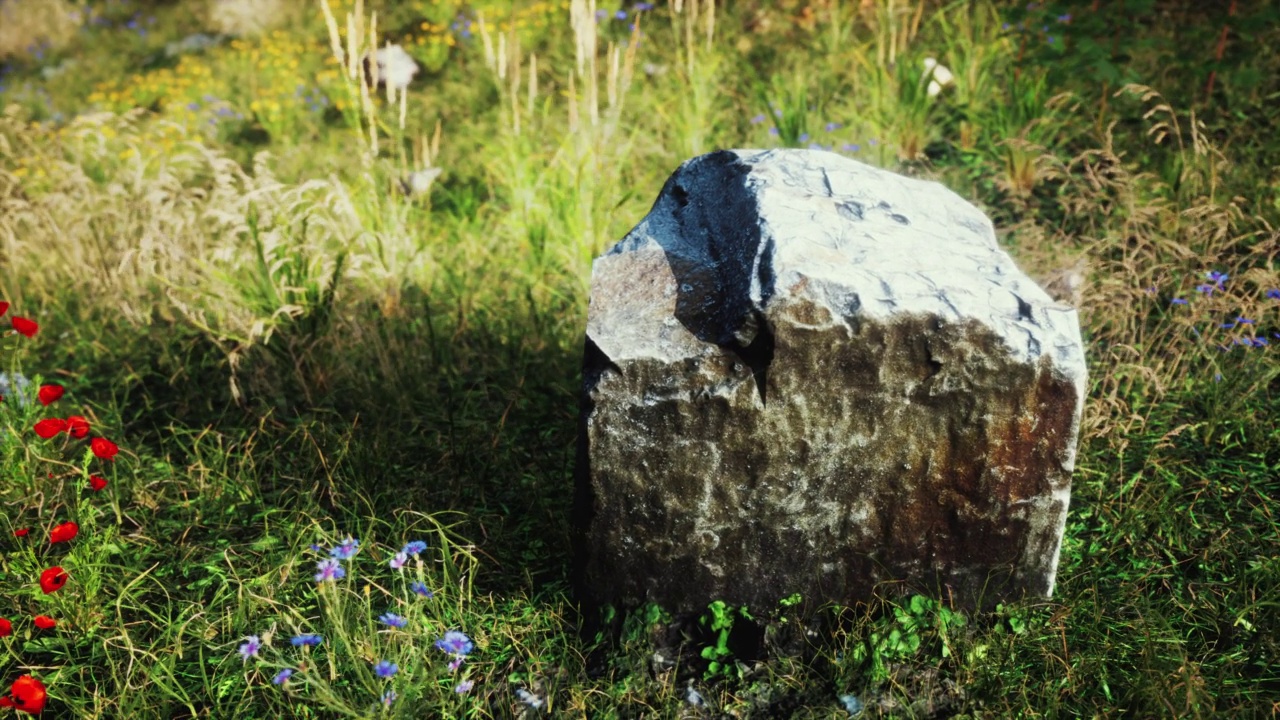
(917, 440)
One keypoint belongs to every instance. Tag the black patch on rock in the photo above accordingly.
(708, 223)
(851, 210)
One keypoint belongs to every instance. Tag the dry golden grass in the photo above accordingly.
(28, 23)
(246, 18)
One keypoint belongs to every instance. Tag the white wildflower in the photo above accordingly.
(939, 76)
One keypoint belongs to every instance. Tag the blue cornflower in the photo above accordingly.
(346, 550)
(620, 15)
(464, 687)
(773, 131)
(832, 126)
(1273, 294)
(329, 570)
(283, 676)
(393, 620)
(851, 147)
(1065, 17)
(1259, 342)
(642, 7)
(306, 640)
(420, 589)
(757, 119)
(385, 669)
(455, 642)
(250, 647)
(1206, 289)
(1217, 278)
(1177, 301)
(413, 548)
(1217, 377)
(804, 137)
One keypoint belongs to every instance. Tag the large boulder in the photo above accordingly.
(807, 375)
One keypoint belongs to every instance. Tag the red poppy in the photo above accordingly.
(4, 307)
(21, 532)
(103, 448)
(50, 393)
(97, 483)
(6, 628)
(53, 579)
(63, 532)
(27, 695)
(44, 622)
(25, 326)
(49, 427)
(77, 427)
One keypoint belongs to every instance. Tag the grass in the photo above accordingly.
(289, 352)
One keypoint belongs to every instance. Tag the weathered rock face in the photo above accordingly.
(804, 374)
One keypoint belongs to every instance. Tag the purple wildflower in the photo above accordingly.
(250, 647)
(283, 676)
(420, 589)
(393, 620)
(455, 642)
(388, 697)
(385, 669)
(397, 562)
(306, 640)
(346, 550)
(464, 687)
(329, 570)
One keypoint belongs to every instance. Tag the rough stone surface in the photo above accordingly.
(807, 375)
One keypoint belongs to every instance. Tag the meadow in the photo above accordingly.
(291, 363)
